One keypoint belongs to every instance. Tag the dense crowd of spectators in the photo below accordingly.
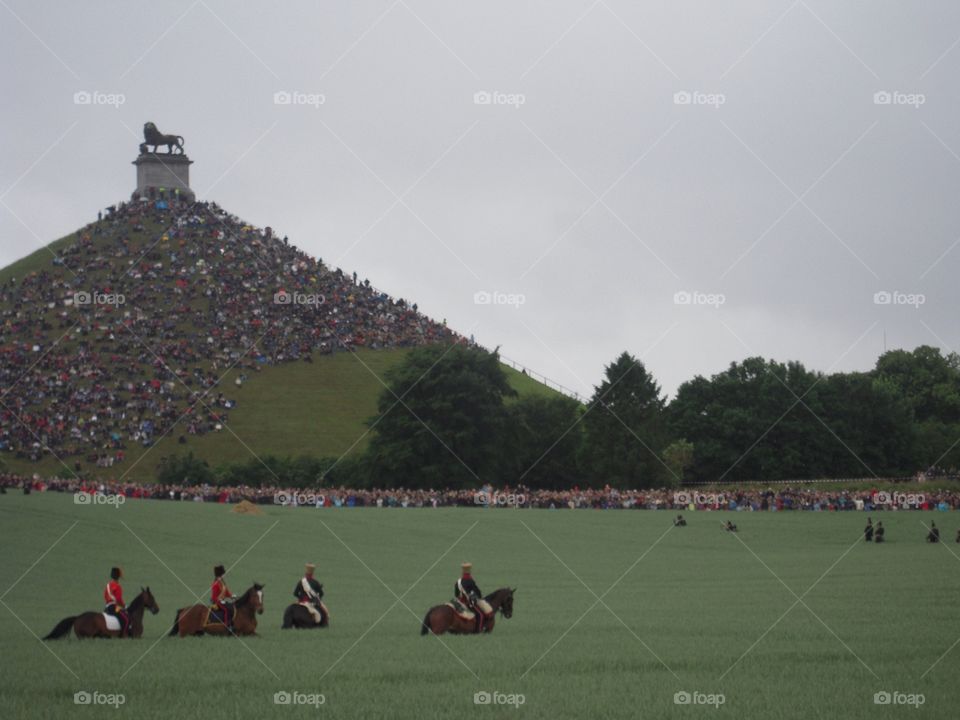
(129, 330)
(734, 499)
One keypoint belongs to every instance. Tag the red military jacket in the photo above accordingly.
(219, 591)
(113, 594)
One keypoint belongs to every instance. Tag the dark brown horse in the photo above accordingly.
(299, 617)
(443, 618)
(195, 620)
(93, 624)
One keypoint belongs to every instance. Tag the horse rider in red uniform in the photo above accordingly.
(220, 595)
(468, 593)
(113, 599)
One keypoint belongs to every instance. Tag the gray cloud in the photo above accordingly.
(699, 197)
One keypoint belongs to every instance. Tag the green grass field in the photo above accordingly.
(688, 609)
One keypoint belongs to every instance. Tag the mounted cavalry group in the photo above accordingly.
(469, 612)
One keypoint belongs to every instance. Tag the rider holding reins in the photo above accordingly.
(220, 594)
(308, 593)
(468, 593)
(113, 597)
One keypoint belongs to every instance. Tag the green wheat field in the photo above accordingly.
(617, 613)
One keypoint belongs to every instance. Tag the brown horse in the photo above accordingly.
(195, 620)
(93, 624)
(443, 618)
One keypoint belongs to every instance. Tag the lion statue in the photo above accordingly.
(154, 137)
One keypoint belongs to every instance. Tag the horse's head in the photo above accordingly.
(149, 601)
(502, 599)
(256, 597)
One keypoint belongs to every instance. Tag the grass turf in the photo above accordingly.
(688, 609)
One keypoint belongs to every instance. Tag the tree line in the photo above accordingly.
(448, 418)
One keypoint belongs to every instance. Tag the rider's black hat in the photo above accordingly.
(116, 573)
(219, 571)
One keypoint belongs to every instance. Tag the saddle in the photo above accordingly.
(462, 610)
(112, 622)
(215, 616)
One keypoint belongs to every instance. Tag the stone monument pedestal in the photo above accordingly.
(163, 176)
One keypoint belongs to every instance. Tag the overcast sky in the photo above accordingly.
(694, 182)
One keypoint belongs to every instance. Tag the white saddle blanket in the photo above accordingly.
(112, 621)
(462, 611)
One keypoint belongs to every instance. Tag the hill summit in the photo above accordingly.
(141, 324)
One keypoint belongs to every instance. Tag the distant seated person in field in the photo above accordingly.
(934, 535)
(730, 527)
(680, 521)
(868, 531)
(878, 536)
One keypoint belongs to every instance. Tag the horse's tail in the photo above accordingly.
(425, 627)
(176, 624)
(62, 628)
(287, 618)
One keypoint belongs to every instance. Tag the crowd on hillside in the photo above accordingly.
(734, 499)
(126, 335)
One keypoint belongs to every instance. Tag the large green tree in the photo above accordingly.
(441, 420)
(929, 382)
(541, 442)
(625, 431)
(764, 420)
(747, 423)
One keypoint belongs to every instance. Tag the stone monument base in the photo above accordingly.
(163, 176)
